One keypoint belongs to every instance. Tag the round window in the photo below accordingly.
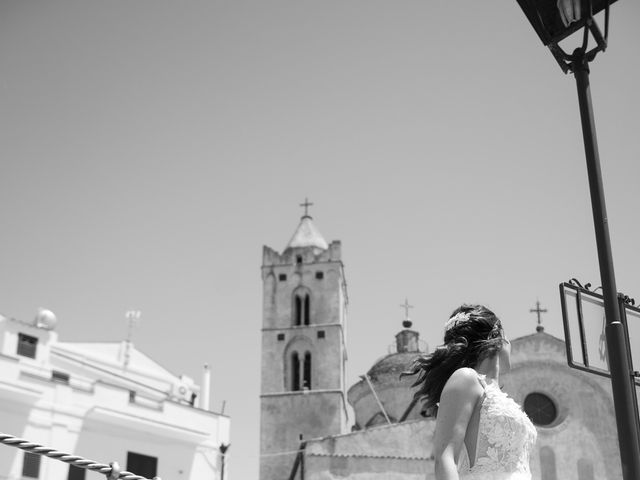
(540, 408)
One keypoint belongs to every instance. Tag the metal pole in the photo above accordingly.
(375, 395)
(303, 446)
(621, 375)
(622, 307)
(223, 456)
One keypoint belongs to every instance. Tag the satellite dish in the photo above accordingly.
(45, 319)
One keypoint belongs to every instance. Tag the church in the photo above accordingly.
(305, 430)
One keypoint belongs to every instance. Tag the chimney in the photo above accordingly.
(205, 388)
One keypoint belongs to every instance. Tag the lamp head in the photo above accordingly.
(555, 20)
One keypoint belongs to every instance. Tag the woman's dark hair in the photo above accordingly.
(472, 334)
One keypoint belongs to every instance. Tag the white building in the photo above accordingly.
(105, 401)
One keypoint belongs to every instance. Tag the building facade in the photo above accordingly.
(391, 438)
(102, 401)
(572, 411)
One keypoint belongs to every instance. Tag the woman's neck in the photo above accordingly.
(490, 368)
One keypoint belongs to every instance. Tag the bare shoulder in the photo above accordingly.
(464, 381)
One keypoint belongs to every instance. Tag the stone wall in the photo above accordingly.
(400, 451)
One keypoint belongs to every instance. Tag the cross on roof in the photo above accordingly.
(538, 311)
(306, 206)
(407, 321)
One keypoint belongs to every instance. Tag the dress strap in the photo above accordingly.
(481, 379)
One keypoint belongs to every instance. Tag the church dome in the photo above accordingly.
(307, 235)
(394, 393)
(382, 384)
(393, 364)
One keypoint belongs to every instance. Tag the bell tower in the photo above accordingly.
(303, 346)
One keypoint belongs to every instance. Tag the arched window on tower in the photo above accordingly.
(547, 464)
(301, 307)
(295, 371)
(306, 309)
(585, 469)
(297, 314)
(307, 371)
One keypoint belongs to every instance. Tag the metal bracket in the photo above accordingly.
(582, 55)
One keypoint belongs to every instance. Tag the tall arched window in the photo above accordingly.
(547, 464)
(307, 371)
(298, 311)
(301, 307)
(295, 371)
(300, 371)
(306, 309)
(585, 469)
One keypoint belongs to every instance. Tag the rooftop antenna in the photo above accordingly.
(132, 316)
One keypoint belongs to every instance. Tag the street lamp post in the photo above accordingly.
(555, 20)
(621, 374)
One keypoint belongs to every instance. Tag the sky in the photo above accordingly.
(149, 149)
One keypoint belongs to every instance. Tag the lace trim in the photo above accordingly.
(505, 435)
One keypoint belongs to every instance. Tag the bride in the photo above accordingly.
(481, 433)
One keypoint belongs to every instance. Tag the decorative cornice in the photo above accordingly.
(364, 455)
(301, 393)
(302, 327)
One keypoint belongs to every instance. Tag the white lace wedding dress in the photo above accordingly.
(506, 437)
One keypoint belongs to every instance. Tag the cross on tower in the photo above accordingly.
(538, 311)
(407, 321)
(306, 206)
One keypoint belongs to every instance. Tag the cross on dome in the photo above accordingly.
(538, 311)
(406, 323)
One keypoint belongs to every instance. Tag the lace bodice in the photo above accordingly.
(506, 437)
